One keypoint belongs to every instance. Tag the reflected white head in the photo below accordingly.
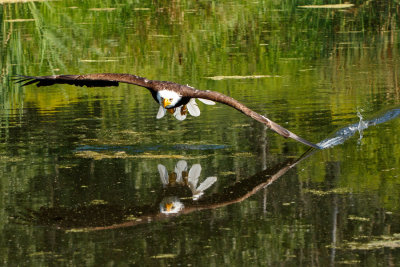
(170, 205)
(168, 99)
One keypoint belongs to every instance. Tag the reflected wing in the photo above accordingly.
(194, 174)
(206, 184)
(224, 99)
(180, 167)
(163, 174)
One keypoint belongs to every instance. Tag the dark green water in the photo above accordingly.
(80, 168)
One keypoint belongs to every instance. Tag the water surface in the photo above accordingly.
(88, 176)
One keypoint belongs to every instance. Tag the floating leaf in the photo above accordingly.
(17, 20)
(164, 256)
(217, 78)
(338, 190)
(103, 9)
(77, 230)
(334, 6)
(378, 243)
(39, 253)
(356, 218)
(122, 155)
(98, 202)
(19, 1)
(98, 60)
(132, 218)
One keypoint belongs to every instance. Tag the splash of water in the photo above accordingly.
(345, 133)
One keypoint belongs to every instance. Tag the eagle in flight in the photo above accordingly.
(175, 98)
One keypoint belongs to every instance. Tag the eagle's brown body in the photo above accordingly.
(154, 86)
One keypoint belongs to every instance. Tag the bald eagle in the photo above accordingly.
(175, 98)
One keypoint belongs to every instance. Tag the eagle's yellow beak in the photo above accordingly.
(166, 102)
(168, 206)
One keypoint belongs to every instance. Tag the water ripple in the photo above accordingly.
(345, 133)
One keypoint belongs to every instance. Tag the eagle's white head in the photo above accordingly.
(168, 99)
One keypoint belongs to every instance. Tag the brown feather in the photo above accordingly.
(89, 80)
(113, 79)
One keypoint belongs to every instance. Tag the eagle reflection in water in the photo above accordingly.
(180, 180)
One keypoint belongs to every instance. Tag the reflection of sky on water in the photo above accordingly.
(345, 133)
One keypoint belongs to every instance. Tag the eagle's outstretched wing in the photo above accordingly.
(89, 80)
(113, 79)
